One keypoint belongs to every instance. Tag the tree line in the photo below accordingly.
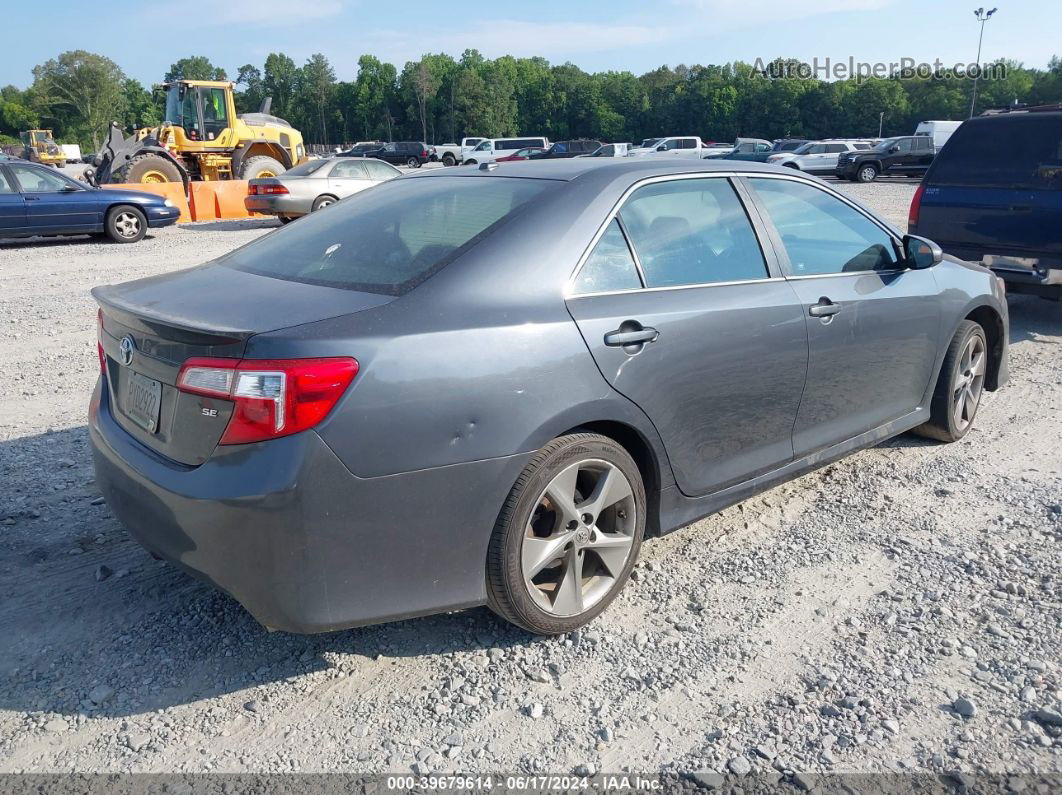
(440, 99)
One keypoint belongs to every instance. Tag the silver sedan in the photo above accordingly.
(315, 184)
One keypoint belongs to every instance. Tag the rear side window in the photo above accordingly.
(1023, 151)
(610, 265)
(821, 233)
(349, 169)
(390, 239)
(831, 148)
(692, 231)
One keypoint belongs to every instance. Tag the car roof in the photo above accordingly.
(575, 168)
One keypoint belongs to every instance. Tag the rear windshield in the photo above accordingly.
(390, 238)
(1023, 151)
(307, 168)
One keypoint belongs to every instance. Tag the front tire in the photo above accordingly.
(151, 169)
(126, 224)
(261, 167)
(867, 173)
(959, 386)
(568, 535)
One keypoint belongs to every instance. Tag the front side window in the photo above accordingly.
(483, 147)
(821, 233)
(672, 144)
(5, 185)
(692, 231)
(610, 265)
(215, 114)
(38, 180)
(560, 148)
(389, 239)
(378, 170)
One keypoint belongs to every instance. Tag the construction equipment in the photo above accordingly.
(40, 147)
(201, 138)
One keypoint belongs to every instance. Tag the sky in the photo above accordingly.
(144, 38)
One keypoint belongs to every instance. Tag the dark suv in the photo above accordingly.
(994, 196)
(405, 153)
(906, 156)
(567, 149)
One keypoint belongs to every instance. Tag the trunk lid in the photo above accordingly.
(150, 327)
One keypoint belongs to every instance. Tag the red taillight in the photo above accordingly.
(99, 342)
(264, 190)
(272, 397)
(916, 207)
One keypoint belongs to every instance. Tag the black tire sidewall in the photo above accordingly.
(945, 400)
(321, 202)
(511, 599)
(862, 169)
(112, 231)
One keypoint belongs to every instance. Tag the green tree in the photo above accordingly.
(195, 67)
(316, 84)
(139, 108)
(82, 89)
(280, 81)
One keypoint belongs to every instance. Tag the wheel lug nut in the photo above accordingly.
(587, 518)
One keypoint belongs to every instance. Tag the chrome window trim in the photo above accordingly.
(669, 288)
(614, 213)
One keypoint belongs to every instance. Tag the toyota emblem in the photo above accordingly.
(126, 347)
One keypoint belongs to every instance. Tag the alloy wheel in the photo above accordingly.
(969, 382)
(868, 174)
(127, 224)
(579, 537)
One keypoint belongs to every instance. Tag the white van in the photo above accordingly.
(490, 150)
(938, 131)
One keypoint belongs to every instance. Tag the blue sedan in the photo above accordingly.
(37, 200)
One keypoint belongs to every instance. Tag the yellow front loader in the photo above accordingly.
(201, 138)
(42, 148)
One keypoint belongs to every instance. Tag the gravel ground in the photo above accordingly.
(900, 610)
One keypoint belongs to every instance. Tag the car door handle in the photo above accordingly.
(631, 333)
(33, 198)
(824, 308)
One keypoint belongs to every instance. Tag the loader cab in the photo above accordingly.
(203, 110)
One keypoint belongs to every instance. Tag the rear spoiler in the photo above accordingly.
(136, 316)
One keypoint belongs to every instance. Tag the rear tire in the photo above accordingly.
(321, 202)
(962, 377)
(125, 224)
(261, 167)
(568, 535)
(151, 169)
(449, 160)
(285, 219)
(413, 162)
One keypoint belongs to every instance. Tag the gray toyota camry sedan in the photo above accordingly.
(487, 385)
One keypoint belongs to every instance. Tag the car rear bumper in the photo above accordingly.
(277, 205)
(304, 545)
(1034, 275)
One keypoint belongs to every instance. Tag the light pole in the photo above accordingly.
(982, 17)
(881, 122)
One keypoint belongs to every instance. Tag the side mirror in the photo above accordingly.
(661, 148)
(893, 150)
(921, 253)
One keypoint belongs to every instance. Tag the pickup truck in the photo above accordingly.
(904, 156)
(677, 146)
(453, 154)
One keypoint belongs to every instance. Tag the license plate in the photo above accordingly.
(142, 399)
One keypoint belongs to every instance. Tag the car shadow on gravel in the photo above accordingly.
(1033, 318)
(83, 606)
(231, 226)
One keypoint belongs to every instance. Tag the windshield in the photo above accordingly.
(307, 168)
(390, 238)
(885, 145)
(803, 149)
(650, 142)
(173, 104)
